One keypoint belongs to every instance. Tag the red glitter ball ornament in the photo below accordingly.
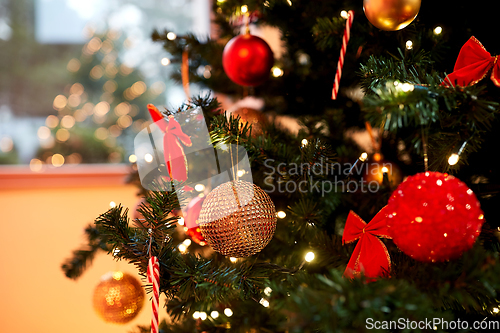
(192, 213)
(434, 217)
(247, 60)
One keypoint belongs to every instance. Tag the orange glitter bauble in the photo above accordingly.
(118, 298)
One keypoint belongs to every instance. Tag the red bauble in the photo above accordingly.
(192, 213)
(434, 217)
(247, 60)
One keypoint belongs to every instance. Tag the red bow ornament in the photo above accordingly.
(370, 255)
(473, 64)
(175, 158)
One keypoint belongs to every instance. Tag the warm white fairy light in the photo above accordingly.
(171, 36)
(180, 221)
(453, 159)
(363, 157)
(148, 158)
(228, 312)
(344, 14)
(406, 87)
(409, 45)
(196, 315)
(309, 256)
(264, 302)
(182, 248)
(187, 242)
(214, 314)
(277, 72)
(199, 187)
(268, 291)
(240, 173)
(281, 214)
(132, 158)
(495, 310)
(233, 259)
(165, 61)
(438, 30)
(203, 315)
(112, 204)
(385, 170)
(304, 142)
(244, 9)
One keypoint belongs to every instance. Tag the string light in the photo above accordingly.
(171, 36)
(385, 170)
(112, 204)
(409, 45)
(277, 72)
(228, 312)
(36, 165)
(495, 310)
(304, 142)
(438, 30)
(406, 87)
(214, 314)
(363, 157)
(196, 315)
(203, 315)
(182, 248)
(57, 160)
(344, 14)
(244, 9)
(199, 187)
(148, 158)
(233, 259)
(453, 159)
(268, 291)
(264, 302)
(240, 173)
(180, 221)
(187, 242)
(132, 158)
(309, 256)
(281, 214)
(289, 2)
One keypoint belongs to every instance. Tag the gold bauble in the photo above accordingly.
(237, 219)
(391, 15)
(118, 298)
(251, 117)
(375, 172)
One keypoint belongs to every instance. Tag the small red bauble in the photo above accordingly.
(247, 60)
(192, 213)
(434, 217)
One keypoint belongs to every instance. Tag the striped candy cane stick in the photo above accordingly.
(345, 40)
(154, 278)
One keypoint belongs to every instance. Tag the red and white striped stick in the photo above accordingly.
(154, 278)
(345, 40)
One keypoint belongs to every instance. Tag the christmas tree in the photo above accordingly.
(409, 107)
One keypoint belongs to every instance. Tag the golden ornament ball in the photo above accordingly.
(238, 219)
(391, 15)
(251, 117)
(376, 169)
(118, 298)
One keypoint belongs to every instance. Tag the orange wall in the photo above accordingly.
(40, 226)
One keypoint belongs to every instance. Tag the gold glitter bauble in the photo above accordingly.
(238, 219)
(118, 298)
(391, 15)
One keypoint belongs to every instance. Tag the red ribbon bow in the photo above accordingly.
(175, 158)
(370, 255)
(473, 64)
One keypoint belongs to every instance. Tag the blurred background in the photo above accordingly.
(75, 76)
